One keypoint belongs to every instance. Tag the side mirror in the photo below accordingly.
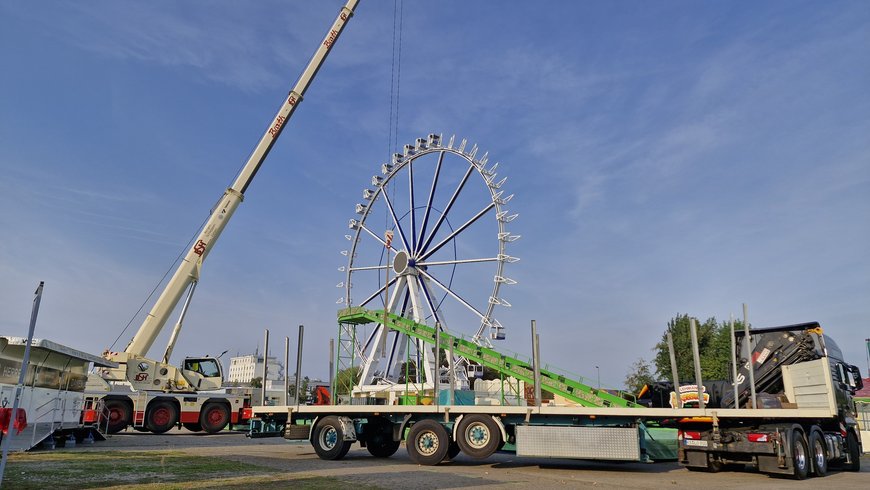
(855, 379)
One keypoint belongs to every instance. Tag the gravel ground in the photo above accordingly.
(502, 470)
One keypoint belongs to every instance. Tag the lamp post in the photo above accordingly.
(598, 373)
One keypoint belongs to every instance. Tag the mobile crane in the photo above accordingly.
(152, 395)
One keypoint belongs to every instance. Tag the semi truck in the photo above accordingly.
(811, 428)
(152, 395)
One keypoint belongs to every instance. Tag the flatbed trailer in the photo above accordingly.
(813, 427)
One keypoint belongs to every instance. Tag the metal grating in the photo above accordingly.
(605, 443)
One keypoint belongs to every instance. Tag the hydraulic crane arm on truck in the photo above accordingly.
(200, 374)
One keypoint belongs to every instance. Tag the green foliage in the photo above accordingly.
(714, 346)
(291, 390)
(346, 379)
(257, 382)
(639, 375)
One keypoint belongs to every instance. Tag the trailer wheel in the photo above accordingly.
(192, 426)
(379, 438)
(799, 455)
(427, 442)
(214, 417)
(328, 440)
(854, 453)
(819, 452)
(119, 412)
(162, 416)
(478, 436)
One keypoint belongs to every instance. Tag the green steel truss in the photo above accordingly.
(555, 383)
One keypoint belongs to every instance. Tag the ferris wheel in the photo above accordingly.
(428, 243)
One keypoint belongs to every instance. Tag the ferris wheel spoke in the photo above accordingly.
(458, 261)
(452, 294)
(369, 268)
(446, 210)
(457, 231)
(429, 302)
(379, 291)
(379, 239)
(411, 207)
(396, 221)
(431, 196)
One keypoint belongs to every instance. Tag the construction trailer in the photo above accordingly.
(811, 427)
(53, 396)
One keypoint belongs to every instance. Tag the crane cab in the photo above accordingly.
(203, 373)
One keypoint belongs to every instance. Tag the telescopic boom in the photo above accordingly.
(189, 269)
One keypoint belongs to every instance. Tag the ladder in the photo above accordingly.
(571, 389)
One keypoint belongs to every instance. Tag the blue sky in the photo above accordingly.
(670, 157)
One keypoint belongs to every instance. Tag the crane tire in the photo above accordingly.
(161, 416)
(214, 417)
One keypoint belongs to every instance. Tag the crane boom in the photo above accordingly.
(189, 269)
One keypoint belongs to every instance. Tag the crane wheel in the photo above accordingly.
(119, 415)
(214, 417)
(162, 415)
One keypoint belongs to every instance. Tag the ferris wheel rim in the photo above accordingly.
(417, 241)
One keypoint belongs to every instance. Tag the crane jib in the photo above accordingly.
(188, 270)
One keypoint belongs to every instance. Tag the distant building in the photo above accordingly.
(245, 368)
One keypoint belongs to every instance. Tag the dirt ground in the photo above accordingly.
(504, 470)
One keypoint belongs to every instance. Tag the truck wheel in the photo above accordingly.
(162, 416)
(478, 436)
(119, 413)
(328, 440)
(214, 417)
(427, 442)
(379, 438)
(819, 453)
(854, 453)
(799, 455)
(192, 426)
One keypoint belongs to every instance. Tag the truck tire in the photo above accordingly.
(379, 438)
(854, 453)
(478, 436)
(800, 460)
(427, 442)
(119, 413)
(214, 417)
(162, 415)
(328, 440)
(818, 452)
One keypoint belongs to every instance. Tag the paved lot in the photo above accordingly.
(502, 470)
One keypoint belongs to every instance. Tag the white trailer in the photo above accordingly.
(774, 440)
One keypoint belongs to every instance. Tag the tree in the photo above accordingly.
(714, 347)
(639, 376)
(346, 379)
(257, 382)
(291, 390)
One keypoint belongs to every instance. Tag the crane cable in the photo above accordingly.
(393, 120)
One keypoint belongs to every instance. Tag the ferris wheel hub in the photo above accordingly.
(403, 264)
